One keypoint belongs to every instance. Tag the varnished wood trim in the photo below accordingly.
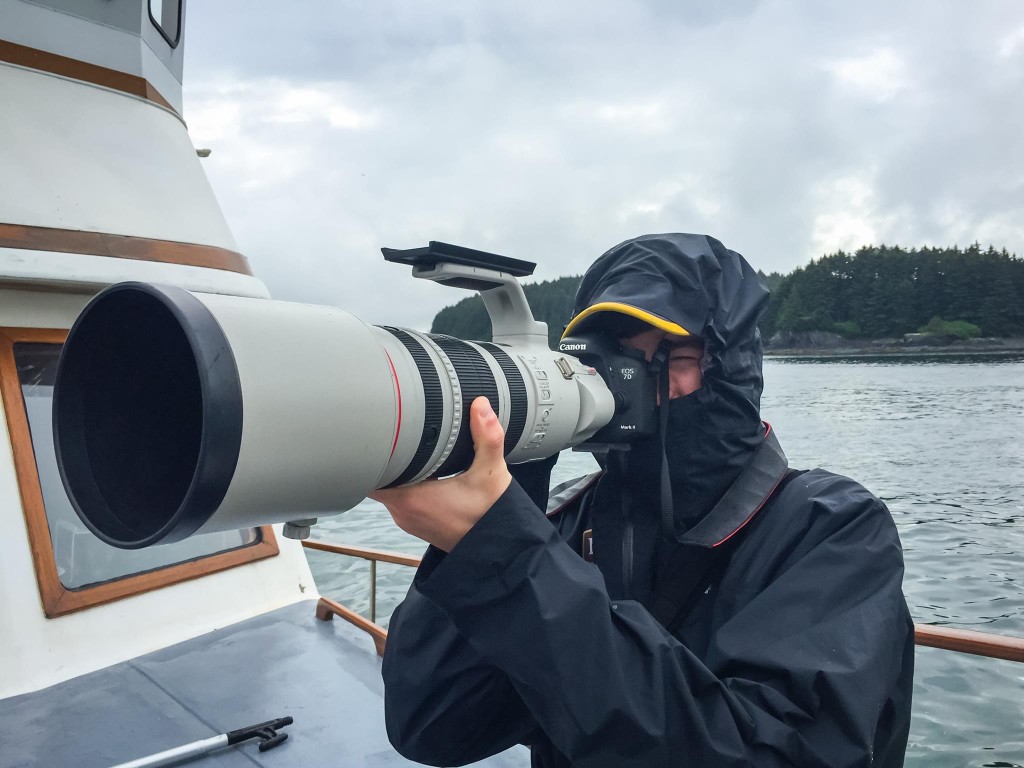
(967, 641)
(121, 247)
(327, 609)
(365, 554)
(44, 61)
(56, 599)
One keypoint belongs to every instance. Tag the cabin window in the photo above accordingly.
(73, 567)
(166, 16)
(81, 558)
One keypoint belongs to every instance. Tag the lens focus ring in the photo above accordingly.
(517, 395)
(475, 379)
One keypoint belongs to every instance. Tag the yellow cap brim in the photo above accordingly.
(626, 309)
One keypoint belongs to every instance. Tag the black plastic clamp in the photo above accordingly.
(265, 732)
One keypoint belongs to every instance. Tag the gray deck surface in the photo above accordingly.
(286, 662)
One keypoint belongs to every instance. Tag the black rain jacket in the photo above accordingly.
(795, 649)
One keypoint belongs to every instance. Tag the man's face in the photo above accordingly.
(684, 375)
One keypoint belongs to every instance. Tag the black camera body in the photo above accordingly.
(631, 381)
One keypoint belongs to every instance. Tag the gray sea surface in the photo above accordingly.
(939, 440)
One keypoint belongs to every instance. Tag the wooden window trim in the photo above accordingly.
(57, 599)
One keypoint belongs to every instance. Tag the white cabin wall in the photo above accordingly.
(34, 309)
(82, 157)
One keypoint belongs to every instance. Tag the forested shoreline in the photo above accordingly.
(877, 292)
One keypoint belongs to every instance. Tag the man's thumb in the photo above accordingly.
(488, 436)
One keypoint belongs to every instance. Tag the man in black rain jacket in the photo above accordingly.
(789, 643)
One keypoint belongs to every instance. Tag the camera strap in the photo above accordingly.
(660, 367)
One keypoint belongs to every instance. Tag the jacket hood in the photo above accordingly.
(691, 285)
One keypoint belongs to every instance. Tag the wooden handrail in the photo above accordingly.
(960, 640)
(327, 609)
(364, 553)
(968, 641)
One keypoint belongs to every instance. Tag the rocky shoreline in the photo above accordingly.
(820, 344)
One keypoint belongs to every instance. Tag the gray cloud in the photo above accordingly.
(551, 131)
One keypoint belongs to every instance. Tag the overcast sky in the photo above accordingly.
(550, 131)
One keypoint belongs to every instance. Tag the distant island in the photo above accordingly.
(877, 300)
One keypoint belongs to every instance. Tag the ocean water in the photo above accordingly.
(939, 440)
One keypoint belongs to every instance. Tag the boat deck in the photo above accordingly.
(286, 662)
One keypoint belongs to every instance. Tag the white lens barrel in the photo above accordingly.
(320, 410)
(178, 413)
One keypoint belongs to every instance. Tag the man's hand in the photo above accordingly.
(441, 512)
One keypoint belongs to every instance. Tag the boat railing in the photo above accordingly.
(947, 638)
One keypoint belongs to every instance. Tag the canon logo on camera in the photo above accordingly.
(572, 347)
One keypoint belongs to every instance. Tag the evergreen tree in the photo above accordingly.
(878, 291)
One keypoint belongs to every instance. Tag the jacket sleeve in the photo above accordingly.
(444, 704)
(437, 685)
(797, 674)
(534, 477)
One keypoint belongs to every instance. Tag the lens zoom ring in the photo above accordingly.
(475, 379)
(517, 395)
(433, 405)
